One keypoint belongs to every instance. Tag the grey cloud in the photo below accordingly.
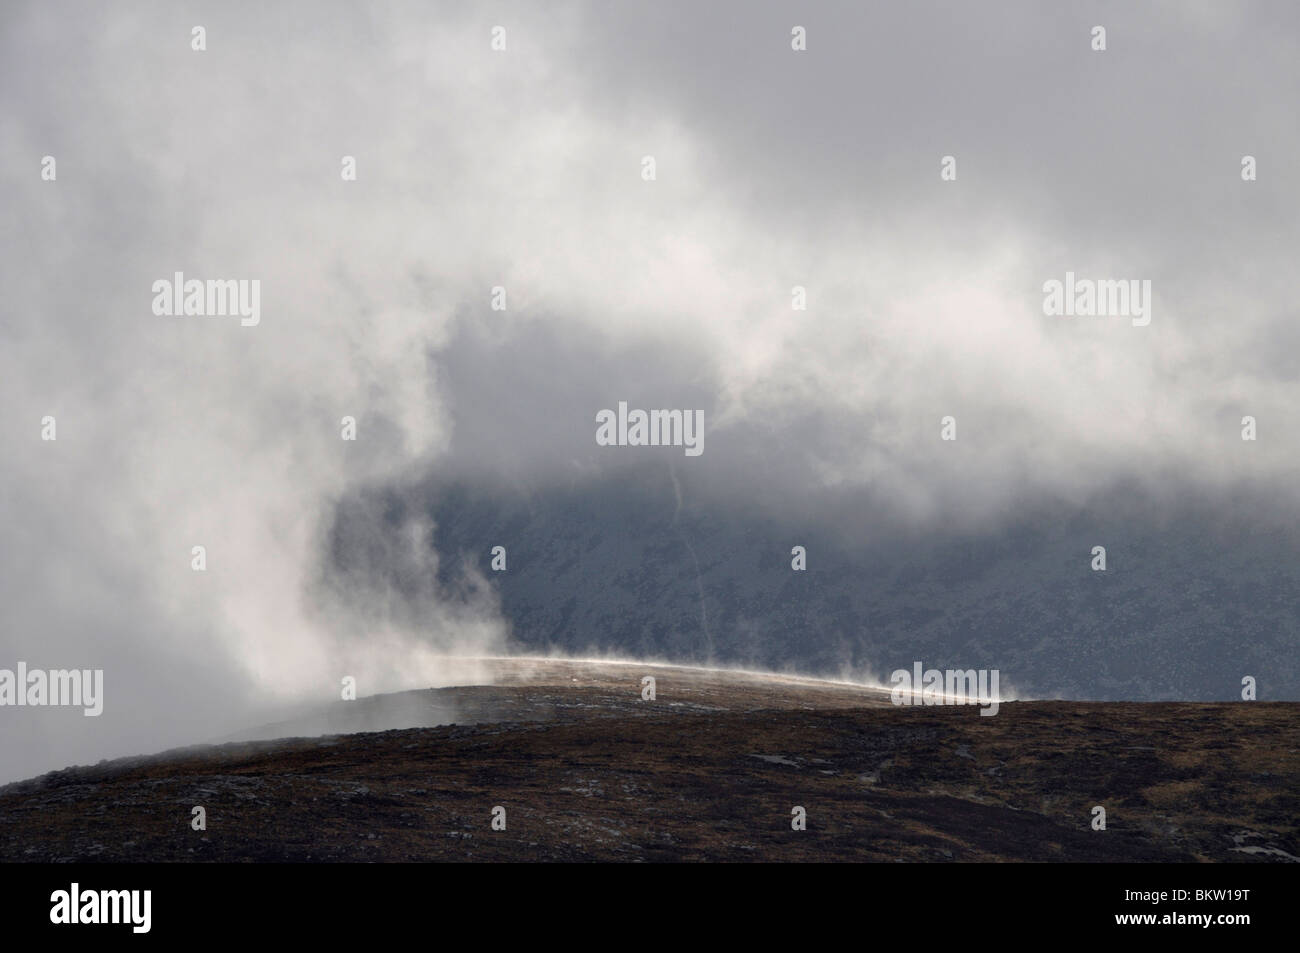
(775, 169)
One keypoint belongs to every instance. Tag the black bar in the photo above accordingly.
(948, 903)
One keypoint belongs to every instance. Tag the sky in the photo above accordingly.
(522, 168)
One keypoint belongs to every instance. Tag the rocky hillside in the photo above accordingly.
(585, 769)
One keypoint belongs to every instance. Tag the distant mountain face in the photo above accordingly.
(1186, 607)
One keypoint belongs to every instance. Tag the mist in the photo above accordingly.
(522, 170)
